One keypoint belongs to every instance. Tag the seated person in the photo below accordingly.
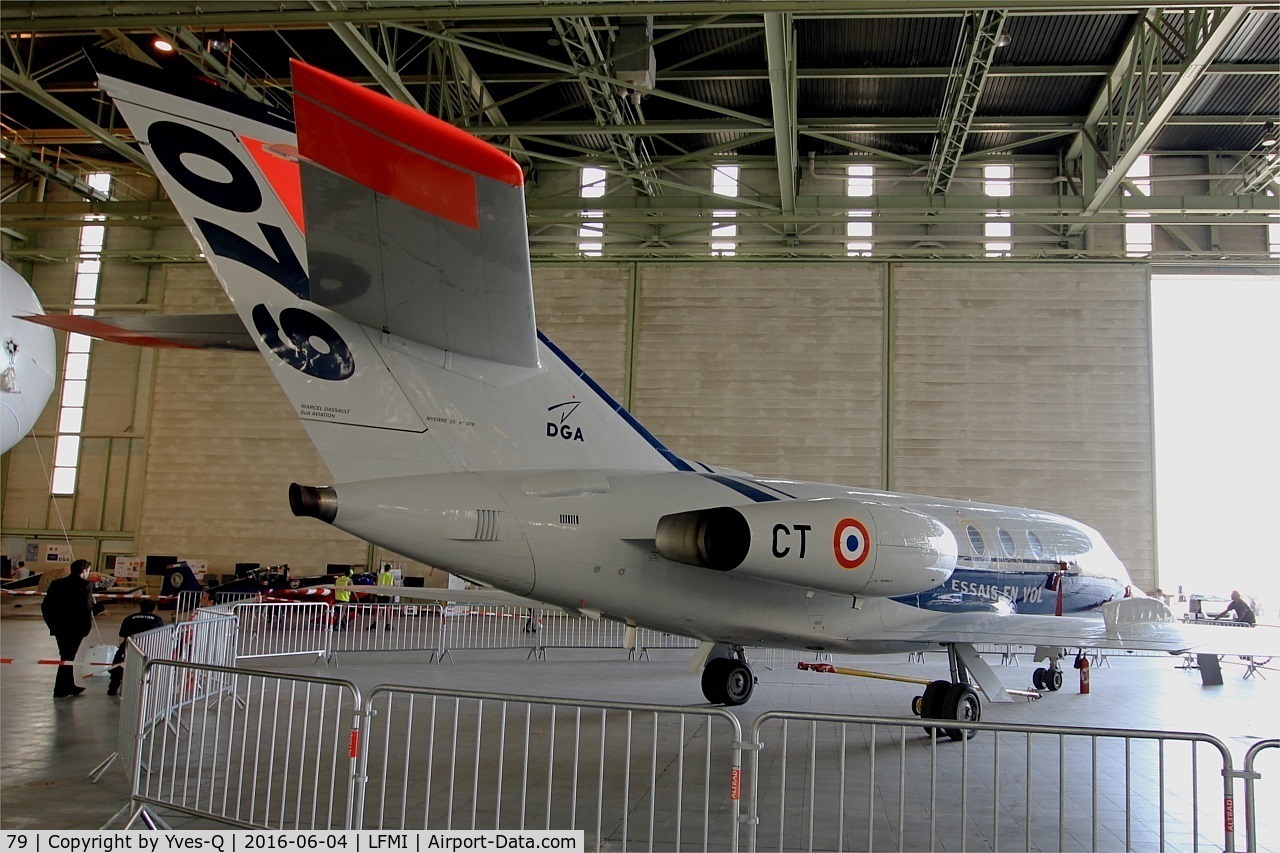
(1243, 612)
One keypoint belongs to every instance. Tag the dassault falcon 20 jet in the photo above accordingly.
(378, 259)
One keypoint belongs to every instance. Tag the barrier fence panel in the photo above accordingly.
(273, 630)
(386, 628)
(1268, 838)
(473, 628)
(209, 639)
(562, 631)
(267, 752)
(130, 710)
(824, 782)
(630, 777)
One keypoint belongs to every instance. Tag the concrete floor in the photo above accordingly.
(48, 747)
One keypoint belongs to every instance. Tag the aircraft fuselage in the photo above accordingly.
(586, 540)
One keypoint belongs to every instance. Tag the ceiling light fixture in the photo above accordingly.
(219, 43)
(1269, 137)
(162, 45)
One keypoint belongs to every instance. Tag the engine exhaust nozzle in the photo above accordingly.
(314, 502)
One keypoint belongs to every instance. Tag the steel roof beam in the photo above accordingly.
(1179, 210)
(509, 53)
(960, 104)
(30, 161)
(823, 128)
(27, 15)
(30, 88)
(1131, 118)
(611, 107)
(193, 49)
(369, 57)
(780, 49)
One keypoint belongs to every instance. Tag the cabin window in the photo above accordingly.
(1006, 542)
(975, 539)
(1033, 542)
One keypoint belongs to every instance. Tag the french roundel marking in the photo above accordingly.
(852, 543)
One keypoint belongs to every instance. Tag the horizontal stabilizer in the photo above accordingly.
(186, 331)
(414, 227)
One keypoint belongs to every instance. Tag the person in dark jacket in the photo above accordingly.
(68, 611)
(135, 623)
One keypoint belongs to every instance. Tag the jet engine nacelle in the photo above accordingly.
(837, 545)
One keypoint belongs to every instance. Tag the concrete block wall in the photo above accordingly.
(772, 369)
(1028, 385)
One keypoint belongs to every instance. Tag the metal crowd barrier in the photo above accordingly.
(274, 630)
(441, 629)
(827, 782)
(209, 638)
(386, 628)
(267, 751)
(284, 752)
(1251, 776)
(653, 777)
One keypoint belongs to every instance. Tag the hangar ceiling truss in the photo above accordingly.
(1069, 93)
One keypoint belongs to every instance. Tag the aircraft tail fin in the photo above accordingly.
(179, 578)
(378, 258)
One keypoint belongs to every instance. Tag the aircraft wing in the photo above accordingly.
(1139, 626)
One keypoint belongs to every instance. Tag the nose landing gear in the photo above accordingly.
(1049, 678)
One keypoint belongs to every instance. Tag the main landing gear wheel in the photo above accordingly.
(726, 681)
(964, 706)
(946, 700)
(932, 703)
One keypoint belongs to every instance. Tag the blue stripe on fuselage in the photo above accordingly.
(982, 590)
(676, 462)
(747, 489)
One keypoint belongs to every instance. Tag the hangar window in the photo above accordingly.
(860, 184)
(1033, 542)
(976, 540)
(997, 180)
(724, 181)
(75, 370)
(591, 231)
(997, 232)
(1006, 542)
(1139, 236)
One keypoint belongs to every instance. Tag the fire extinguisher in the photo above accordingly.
(1082, 664)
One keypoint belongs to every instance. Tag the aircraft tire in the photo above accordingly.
(739, 682)
(1037, 678)
(713, 681)
(1053, 680)
(727, 682)
(917, 704)
(963, 704)
(933, 702)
